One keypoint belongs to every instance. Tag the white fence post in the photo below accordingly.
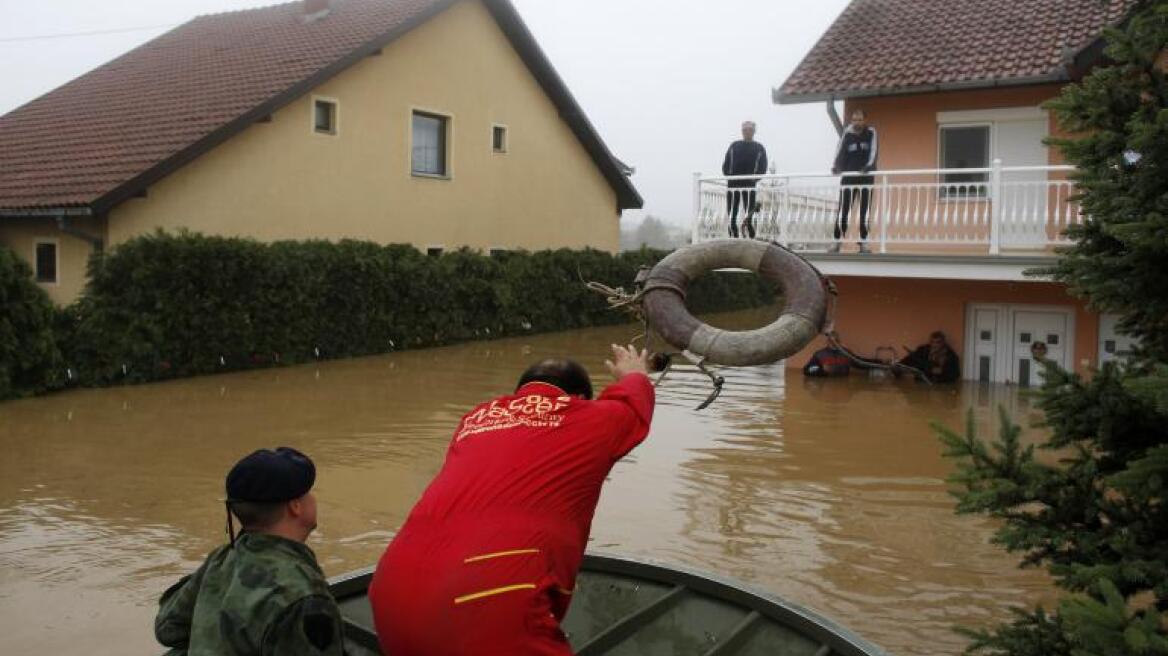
(885, 204)
(997, 207)
(783, 222)
(697, 206)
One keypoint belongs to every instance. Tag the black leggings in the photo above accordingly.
(853, 186)
(735, 198)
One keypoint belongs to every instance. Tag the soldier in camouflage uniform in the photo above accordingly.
(263, 594)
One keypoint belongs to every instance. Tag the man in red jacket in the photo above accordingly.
(487, 560)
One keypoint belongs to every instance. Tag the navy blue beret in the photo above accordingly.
(268, 476)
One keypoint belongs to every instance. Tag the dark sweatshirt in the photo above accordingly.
(745, 158)
(856, 150)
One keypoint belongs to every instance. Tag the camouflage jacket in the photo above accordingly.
(262, 597)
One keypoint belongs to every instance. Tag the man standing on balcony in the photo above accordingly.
(856, 153)
(744, 157)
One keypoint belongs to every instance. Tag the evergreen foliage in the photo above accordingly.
(1092, 512)
(173, 305)
(30, 361)
(1119, 118)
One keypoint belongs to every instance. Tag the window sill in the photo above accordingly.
(429, 176)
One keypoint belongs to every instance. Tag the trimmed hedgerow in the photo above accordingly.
(173, 305)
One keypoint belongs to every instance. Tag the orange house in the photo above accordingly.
(964, 197)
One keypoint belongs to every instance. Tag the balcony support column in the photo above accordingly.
(997, 205)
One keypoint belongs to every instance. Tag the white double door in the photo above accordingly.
(999, 340)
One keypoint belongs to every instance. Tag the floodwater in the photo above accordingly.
(828, 493)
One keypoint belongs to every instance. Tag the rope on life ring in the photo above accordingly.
(805, 290)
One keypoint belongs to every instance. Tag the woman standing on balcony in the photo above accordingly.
(856, 152)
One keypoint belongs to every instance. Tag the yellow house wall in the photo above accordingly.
(22, 235)
(280, 180)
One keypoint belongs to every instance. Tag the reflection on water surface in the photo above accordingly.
(829, 493)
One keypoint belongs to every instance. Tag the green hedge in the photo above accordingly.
(166, 305)
(30, 361)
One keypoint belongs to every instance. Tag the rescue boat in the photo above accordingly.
(625, 606)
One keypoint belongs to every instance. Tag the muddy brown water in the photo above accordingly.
(828, 493)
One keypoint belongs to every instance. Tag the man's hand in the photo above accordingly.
(627, 360)
(835, 170)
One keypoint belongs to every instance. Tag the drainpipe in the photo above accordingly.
(835, 118)
(64, 226)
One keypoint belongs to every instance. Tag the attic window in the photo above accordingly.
(324, 116)
(499, 138)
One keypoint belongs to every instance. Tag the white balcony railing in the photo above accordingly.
(988, 211)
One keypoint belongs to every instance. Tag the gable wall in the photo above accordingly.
(280, 180)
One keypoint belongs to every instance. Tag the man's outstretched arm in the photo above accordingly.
(631, 398)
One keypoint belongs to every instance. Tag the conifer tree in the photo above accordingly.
(1092, 510)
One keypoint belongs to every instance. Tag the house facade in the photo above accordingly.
(435, 123)
(966, 197)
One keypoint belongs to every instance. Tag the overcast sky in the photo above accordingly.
(666, 82)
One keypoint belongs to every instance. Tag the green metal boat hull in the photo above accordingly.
(624, 607)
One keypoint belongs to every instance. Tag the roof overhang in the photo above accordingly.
(45, 212)
(781, 98)
(1009, 268)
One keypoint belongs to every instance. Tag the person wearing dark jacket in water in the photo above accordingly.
(828, 361)
(856, 153)
(936, 360)
(744, 157)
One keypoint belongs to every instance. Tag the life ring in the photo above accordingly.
(804, 290)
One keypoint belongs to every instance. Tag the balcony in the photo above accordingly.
(995, 222)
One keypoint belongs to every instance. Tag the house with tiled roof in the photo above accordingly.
(963, 196)
(439, 123)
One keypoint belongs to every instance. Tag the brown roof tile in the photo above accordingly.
(110, 132)
(893, 46)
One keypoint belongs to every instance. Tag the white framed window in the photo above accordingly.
(964, 146)
(976, 138)
(325, 115)
(429, 144)
(435, 251)
(46, 261)
(499, 138)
